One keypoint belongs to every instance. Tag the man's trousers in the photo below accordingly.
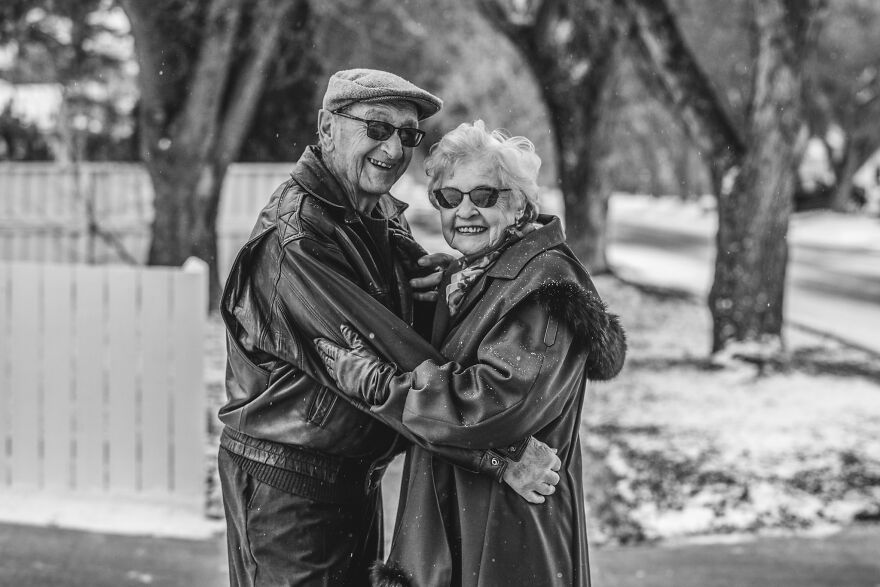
(277, 539)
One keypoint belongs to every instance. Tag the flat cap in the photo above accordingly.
(371, 85)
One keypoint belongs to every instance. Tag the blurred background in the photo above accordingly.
(716, 165)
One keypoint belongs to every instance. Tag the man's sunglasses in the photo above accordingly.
(382, 131)
(482, 197)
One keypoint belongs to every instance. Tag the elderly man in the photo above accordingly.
(301, 465)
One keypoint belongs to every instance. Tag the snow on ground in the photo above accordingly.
(678, 447)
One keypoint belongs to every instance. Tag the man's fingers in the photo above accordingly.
(556, 464)
(427, 282)
(427, 296)
(441, 260)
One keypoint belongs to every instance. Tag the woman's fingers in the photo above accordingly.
(551, 478)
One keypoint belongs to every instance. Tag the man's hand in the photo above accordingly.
(534, 475)
(425, 288)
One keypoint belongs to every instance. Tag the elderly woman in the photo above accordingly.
(523, 329)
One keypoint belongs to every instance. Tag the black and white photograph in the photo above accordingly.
(427, 293)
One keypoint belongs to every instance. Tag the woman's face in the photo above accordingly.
(467, 228)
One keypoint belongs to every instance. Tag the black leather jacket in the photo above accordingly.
(313, 263)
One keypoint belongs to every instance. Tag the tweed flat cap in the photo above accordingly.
(371, 85)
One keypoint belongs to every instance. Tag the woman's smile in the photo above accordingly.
(470, 229)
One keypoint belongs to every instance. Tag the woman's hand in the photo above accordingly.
(357, 370)
(425, 288)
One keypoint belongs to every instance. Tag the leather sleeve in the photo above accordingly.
(525, 375)
(316, 292)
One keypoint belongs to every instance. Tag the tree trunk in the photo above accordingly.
(583, 150)
(190, 138)
(185, 219)
(860, 146)
(571, 48)
(747, 295)
(683, 172)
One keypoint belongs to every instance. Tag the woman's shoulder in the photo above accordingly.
(562, 287)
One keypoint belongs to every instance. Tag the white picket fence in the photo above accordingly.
(101, 212)
(101, 380)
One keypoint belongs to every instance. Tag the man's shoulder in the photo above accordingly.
(297, 213)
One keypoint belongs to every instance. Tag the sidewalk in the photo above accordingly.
(32, 556)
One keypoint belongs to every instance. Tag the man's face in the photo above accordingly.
(363, 165)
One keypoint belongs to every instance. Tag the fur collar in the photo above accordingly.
(594, 326)
(388, 574)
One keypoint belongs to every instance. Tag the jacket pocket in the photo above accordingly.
(321, 406)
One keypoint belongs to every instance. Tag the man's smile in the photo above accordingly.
(380, 164)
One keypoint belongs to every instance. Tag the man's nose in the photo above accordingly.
(392, 146)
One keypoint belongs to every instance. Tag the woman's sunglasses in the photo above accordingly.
(482, 197)
(382, 131)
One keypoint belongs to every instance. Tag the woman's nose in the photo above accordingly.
(466, 209)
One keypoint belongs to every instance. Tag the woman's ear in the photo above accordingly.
(325, 130)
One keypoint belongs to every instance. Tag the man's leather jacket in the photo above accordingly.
(313, 263)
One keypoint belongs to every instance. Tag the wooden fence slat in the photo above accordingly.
(5, 381)
(122, 378)
(25, 381)
(188, 318)
(156, 380)
(56, 340)
(89, 376)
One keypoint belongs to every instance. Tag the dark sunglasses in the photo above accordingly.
(482, 197)
(382, 131)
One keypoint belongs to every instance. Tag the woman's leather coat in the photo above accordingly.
(519, 354)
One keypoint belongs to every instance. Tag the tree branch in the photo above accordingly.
(495, 12)
(196, 123)
(270, 21)
(668, 65)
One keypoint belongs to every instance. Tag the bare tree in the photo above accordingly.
(754, 204)
(203, 69)
(571, 47)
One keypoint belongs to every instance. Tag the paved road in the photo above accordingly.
(832, 288)
(32, 556)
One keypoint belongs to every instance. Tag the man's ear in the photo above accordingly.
(325, 130)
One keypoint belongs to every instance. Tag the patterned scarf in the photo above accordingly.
(472, 267)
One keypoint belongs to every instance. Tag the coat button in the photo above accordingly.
(494, 462)
(512, 449)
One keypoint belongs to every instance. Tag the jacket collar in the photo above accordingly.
(512, 260)
(312, 174)
(507, 266)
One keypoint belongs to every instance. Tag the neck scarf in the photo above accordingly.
(473, 266)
